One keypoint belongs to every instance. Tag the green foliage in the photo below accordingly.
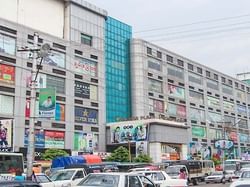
(143, 158)
(121, 154)
(50, 154)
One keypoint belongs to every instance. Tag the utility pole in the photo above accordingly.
(31, 143)
(37, 53)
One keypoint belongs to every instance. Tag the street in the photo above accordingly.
(213, 185)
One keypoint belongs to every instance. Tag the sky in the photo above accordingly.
(215, 33)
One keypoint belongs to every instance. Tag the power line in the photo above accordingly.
(193, 23)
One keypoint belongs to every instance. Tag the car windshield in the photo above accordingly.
(171, 170)
(245, 175)
(100, 180)
(217, 173)
(62, 175)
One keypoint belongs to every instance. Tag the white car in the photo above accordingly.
(116, 180)
(67, 177)
(218, 177)
(162, 179)
(244, 180)
(44, 180)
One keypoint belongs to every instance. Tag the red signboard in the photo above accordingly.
(7, 74)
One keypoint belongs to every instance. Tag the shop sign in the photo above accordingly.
(85, 66)
(54, 139)
(47, 102)
(82, 90)
(39, 138)
(199, 131)
(86, 115)
(85, 142)
(7, 74)
(5, 134)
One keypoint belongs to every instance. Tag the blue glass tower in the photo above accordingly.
(117, 61)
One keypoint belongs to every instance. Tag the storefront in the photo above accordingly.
(161, 139)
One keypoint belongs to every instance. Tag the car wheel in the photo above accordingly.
(223, 181)
(207, 182)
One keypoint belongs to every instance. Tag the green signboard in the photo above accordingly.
(47, 102)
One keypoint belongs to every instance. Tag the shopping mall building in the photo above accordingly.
(103, 76)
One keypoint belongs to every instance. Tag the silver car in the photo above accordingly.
(218, 177)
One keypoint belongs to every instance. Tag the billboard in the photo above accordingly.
(55, 59)
(213, 102)
(39, 138)
(85, 66)
(241, 109)
(176, 110)
(86, 142)
(141, 148)
(82, 90)
(54, 139)
(5, 134)
(47, 103)
(199, 132)
(228, 106)
(86, 115)
(123, 133)
(154, 85)
(7, 74)
(175, 91)
(60, 112)
(223, 144)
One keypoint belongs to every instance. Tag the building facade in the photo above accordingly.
(117, 62)
(170, 86)
(75, 68)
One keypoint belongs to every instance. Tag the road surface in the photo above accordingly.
(213, 185)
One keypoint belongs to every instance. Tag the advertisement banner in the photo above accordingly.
(47, 103)
(86, 115)
(39, 138)
(213, 102)
(27, 109)
(54, 139)
(154, 85)
(199, 132)
(197, 114)
(86, 142)
(228, 106)
(232, 136)
(158, 106)
(241, 109)
(60, 112)
(85, 66)
(128, 132)
(5, 134)
(82, 90)
(181, 111)
(55, 59)
(141, 148)
(176, 91)
(223, 144)
(7, 74)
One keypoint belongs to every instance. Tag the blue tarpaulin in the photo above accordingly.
(61, 162)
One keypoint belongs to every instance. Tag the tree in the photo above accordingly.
(50, 154)
(120, 154)
(143, 158)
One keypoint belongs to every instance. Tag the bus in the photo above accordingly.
(235, 164)
(10, 163)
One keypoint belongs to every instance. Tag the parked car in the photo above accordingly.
(218, 177)
(244, 179)
(67, 177)
(116, 180)
(44, 180)
(19, 184)
(162, 179)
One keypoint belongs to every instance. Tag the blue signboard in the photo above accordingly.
(39, 138)
(86, 115)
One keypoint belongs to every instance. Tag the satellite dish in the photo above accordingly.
(44, 50)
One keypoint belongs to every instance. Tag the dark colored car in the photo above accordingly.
(19, 184)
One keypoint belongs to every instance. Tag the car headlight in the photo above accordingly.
(66, 185)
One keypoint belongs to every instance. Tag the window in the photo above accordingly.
(212, 84)
(154, 85)
(169, 58)
(154, 64)
(199, 70)
(190, 67)
(208, 74)
(248, 89)
(215, 76)
(230, 82)
(134, 181)
(223, 79)
(7, 44)
(56, 82)
(149, 51)
(236, 84)
(242, 87)
(180, 62)
(159, 54)
(6, 105)
(194, 78)
(79, 175)
(86, 39)
(176, 71)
